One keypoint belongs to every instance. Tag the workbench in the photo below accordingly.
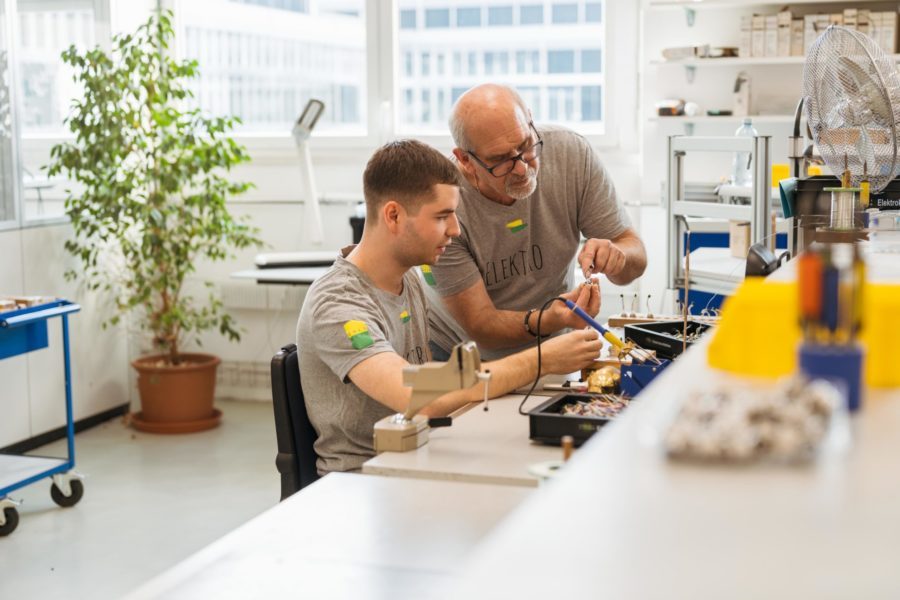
(345, 536)
(621, 520)
(481, 447)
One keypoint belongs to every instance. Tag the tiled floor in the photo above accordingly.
(149, 502)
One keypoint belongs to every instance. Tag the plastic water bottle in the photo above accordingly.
(741, 169)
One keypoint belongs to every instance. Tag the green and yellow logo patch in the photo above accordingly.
(404, 316)
(358, 333)
(428, 275)
(516, 226)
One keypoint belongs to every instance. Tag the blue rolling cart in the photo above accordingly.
(22, 331)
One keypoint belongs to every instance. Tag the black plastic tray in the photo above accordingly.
(547, 424)
(662, 336)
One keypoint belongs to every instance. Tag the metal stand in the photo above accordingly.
(679, 208)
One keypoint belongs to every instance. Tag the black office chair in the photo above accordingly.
(296, 460)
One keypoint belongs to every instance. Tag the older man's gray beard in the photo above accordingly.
(519, 190)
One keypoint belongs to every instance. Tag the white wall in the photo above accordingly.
(774, 90)
(268, 314)
(32, 400)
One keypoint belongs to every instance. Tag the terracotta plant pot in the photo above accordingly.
(176, 399)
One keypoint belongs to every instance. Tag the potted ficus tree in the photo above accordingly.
(150, 202)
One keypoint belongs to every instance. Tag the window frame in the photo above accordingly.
(383, 97)
(38, 142)
(611, 106)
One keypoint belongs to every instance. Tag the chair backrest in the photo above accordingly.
(296, 460)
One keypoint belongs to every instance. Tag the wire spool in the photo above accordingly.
(844, 207)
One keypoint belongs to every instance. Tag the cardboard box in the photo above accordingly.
(875, 26)
(784, 33)
(771, 36)
(758, 36)
(822, 23)
(745, 46)
(739, 238)
(797, 37)
(862, 21)
(889, 31)
(850, 15)
(809, 32)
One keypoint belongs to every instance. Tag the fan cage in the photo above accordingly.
(852, 102)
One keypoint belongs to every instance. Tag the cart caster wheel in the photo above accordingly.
(12, 521)
(71, 500)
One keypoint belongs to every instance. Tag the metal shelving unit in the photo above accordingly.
(679, 209)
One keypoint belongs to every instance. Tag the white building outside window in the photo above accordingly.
(552, 52)
(262, 60)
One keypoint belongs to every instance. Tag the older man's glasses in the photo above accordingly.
(504, 168)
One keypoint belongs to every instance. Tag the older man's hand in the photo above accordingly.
(585, 296)
(601, 256)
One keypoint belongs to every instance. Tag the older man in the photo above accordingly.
(367, 318)
(527, 196)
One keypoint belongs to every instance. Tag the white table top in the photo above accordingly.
(345, 536)
(881, 267)
(295, 275)
(483, 447)
(717, 263)
(623, 521)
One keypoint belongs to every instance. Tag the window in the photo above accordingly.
(408, 19)
(560, 61)
(528, 61)
(565, 13)
(294, 5)
(590, 61)
(500, 15)
(265, 69)
(468, 17)
(531, 14)
(502, 63)
(46, 90)
(496, 63)
(532, 97)
(558, 69)
(437, 17)
(426, 106)
(426, 64)
(591, 98)
(408, 63)
(562, 103)
(441, 105)
(7, 169)
(408, 104)
(593, 12)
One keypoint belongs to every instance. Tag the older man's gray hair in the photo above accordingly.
(480, 96)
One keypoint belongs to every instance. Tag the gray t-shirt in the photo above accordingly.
(524, 252)
(345, 319)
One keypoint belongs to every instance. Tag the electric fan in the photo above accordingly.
(852, 98)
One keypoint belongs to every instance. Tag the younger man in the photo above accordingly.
(367, 318)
